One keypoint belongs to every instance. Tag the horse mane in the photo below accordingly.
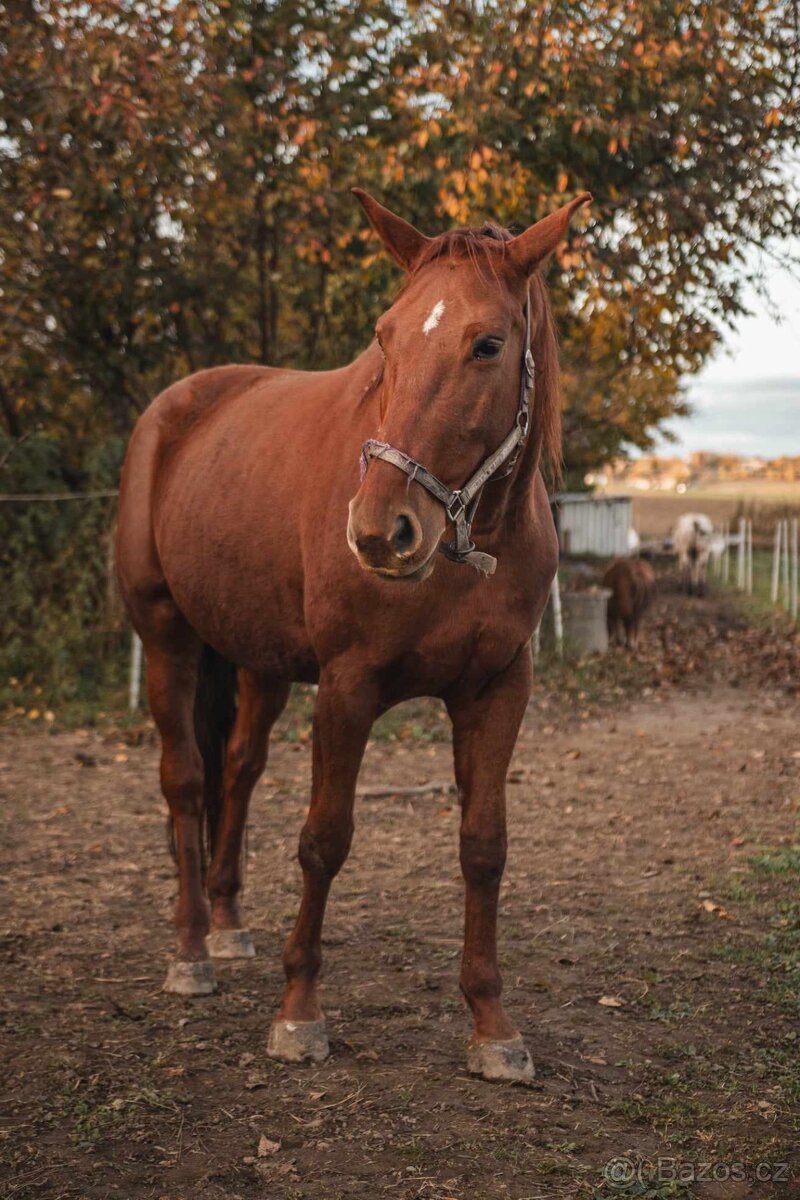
(484, 247)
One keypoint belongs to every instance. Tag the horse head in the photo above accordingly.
(452, 386)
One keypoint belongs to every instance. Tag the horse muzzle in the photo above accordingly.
(389, 543)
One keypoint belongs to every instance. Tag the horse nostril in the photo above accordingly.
(405, 538)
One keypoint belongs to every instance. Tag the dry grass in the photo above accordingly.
(655, 514)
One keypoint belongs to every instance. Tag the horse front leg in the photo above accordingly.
(484, 734)
(343, 716)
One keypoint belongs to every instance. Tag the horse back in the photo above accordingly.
(183, 405)
(165, 425)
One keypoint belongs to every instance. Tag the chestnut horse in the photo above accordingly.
(243, 488)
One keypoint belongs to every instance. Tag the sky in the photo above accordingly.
(747, 399)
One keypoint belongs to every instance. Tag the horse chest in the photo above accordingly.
(446, 645)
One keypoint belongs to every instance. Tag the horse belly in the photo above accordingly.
(233, 566)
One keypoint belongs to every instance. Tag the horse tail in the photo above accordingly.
(214, 715)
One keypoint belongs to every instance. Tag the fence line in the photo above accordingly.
(35, 497)
(783, 574)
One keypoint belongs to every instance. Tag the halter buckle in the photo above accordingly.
(456, 508)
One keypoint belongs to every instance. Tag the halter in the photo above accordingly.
(460, 505)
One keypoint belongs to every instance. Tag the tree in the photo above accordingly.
(175, 191)
(175, 184)
(679, 116)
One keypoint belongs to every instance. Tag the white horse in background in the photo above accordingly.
(692, 541)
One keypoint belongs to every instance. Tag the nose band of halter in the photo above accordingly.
(460, 505)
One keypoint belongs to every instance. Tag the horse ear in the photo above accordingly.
(403, 241)
(530, 248)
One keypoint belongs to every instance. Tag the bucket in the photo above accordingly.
(585, 628)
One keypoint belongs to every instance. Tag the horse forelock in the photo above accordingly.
(483, 246)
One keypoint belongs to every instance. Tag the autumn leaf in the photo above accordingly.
(267, 1147)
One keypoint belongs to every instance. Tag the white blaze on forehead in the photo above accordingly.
(434, 317)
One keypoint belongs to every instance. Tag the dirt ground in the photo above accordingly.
(650, 935)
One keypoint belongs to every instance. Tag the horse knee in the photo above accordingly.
(483, 858)
(323, 852)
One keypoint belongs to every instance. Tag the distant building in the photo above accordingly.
(651, 473)
(593, 524)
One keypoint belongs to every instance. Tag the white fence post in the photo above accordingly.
(558, 625)
(785, 563)
(740, 556)
(749, 557)
(135, 686)
(794, 569)
(776, 564)
(726, 554)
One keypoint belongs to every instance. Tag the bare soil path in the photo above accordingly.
(650, 936)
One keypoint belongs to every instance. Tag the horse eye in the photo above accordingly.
(487, 348)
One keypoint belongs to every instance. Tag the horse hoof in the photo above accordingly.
(298, 1041)
(190, 978)
(230, 943)
(501, 1060)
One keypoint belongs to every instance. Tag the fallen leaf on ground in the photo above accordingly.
(711, 907)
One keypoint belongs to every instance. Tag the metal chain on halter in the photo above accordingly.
(460, 505)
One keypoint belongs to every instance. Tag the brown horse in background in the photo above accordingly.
(241, 492)
(633, 583)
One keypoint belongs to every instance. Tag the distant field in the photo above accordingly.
(767, 491)
(655, 513)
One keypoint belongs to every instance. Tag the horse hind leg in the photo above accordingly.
(260, 703)
(172, 652)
